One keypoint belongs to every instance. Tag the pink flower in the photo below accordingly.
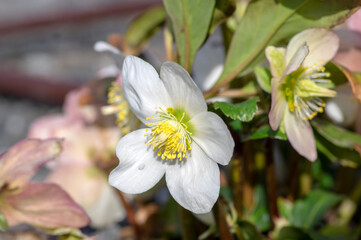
(43, 205)
(88, 150)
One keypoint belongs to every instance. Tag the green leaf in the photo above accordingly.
(269, 22)
(143, 27)
(338, 77)
(226, 192)
(236, 125)
(259, 215)
(336, 135)
(265, 132)
(345, 156)
(3, 223)
(342, 232)
(293, 233)
(243, 111)
(355, 81)
(263, 76)
(319, 236)
(223, 9)
(285, 208)
(247, 231)
(309, 211)
(190, 21)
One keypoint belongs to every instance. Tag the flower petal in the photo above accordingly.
(213, 137)
(138, 168)
(182, 89)
(279, 104)
(142, 88)
(79, 180)
(22, 160)
(300, 135)
(195, 182)
(44, 205)
(117, 55)
(322, 43)
(296, 60)
(107, 210)
(276, 59)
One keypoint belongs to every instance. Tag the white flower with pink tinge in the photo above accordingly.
(298, 72)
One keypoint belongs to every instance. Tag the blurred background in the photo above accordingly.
(46, 49)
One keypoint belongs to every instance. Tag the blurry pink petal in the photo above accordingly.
(43, 205)
(119, 80)
(350, 59)
(300, 135)
(21, 161)
(79, 181)
(75, 110)
(354, 22)
(49, 127)
(108, 208)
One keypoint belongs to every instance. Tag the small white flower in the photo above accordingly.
(182, 140)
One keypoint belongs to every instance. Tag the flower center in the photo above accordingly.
(170, 133)
(302, 89)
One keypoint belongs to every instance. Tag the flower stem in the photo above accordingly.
(130, 215)
(237, 184)
(293, 177)
(187, 219)
(248, 170)
(221, 223)
(271, 182)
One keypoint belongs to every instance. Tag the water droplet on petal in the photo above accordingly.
(141, 166)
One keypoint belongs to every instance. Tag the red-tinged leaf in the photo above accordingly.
(355, 81)
(43, 205)
(22, 160)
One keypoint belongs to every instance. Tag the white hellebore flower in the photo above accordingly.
(298, 74)
(182, 140)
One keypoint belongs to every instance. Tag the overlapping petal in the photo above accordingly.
(195, 182)
(297, 59)
(20, 162)
(138, 168)
(143, 88)
(182, 89)
(322, 43)
(213, 138)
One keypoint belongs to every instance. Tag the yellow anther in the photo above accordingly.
(170, 110)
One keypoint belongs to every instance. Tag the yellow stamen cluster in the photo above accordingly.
(125, 119)
(169, 134)
(303, 93)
